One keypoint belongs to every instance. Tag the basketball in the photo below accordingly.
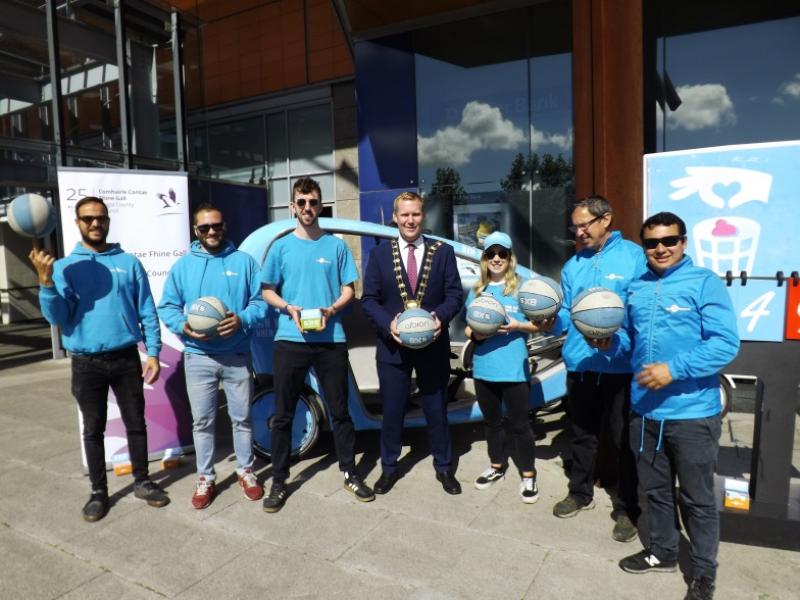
(485, 314)
(597, 312)
(416, 327)
(204, 314)
(540, 298)
(31, 215)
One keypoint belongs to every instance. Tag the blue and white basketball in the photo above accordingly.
(540, 298)
(485, 314)
(597, 312)
(204, 315)
(31, 215)
(415, 327)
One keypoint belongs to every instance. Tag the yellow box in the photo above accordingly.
(123, 468)
(170, 462)
(737, 500)
(311, 319)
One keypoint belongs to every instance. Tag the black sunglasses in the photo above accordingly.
(301, 202)
(667, 241)
(89, 219)
(490, 254)
(584, 226)
(206, 227)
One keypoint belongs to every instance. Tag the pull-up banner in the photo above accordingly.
(149, 213)
(739, 204)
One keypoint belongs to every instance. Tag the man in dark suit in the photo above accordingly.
(412, 271)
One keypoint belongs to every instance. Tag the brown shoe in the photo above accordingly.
(204, 493)
(249, 484)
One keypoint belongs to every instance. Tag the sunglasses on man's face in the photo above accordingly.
(301, 202)
(667, 241)
(89, 219)
(490, 254)
(206, 227)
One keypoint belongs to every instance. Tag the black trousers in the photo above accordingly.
(291, 361)
(599, 404)
(92, 376)
(492, 395)
(686, 450)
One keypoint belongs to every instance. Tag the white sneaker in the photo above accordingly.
(528, 490)
(488, 477)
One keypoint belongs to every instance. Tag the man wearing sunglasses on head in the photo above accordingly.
(598, 384)
(682, 327)
(306, 271)
(100, 297)
(213, 267)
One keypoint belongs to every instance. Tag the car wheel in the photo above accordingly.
(305, 426)
(725, 395)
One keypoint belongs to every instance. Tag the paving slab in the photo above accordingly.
(30, 570)
(107, 586)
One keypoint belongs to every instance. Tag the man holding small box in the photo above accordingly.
(308, 276)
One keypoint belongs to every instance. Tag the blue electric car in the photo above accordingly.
(548, 375)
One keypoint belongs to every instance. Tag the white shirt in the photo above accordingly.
(419, 251)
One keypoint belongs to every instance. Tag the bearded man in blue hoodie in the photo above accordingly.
(682, 327)
(214, 267)
(598, 384)
(100, 297)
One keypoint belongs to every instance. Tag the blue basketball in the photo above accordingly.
(416, 327)
(540, 298)
(597, 312)
(204, 315)
(485, 314)
(31, 215)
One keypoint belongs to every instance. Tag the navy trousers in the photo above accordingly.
(395, 384)
(688, 450)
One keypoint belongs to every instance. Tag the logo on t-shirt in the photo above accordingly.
(675, 308)
(323, 261)
(231, 273)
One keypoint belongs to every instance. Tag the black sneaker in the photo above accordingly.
(149, 491)
(355, 485)
(569, 507)
(489, 476)
(700, 588)
(97, 506)
(528, 490)
(646, 562)
(276, 498)
(624, 529)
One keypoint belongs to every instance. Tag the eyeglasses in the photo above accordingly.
(667, 241)
(301, 202)
(584, 226)
(206, 227)
(490, 254)
(89, 219)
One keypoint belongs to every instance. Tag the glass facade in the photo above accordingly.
(494, 127)
(725, 77)
(273, 150)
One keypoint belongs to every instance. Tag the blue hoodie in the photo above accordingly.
(683, 318)
(101, 301)
(613, 267)
(230, 275)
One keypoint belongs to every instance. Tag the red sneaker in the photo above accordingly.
(204, 493)
(249, 484)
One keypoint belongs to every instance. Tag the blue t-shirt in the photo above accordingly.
(309, 273)
(502, 357)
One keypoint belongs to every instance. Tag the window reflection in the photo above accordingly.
(727, 78)
(494, 126)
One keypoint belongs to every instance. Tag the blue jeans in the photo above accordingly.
(203, 376)
(688, 451)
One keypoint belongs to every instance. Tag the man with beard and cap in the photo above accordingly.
(309, 269)
(213, 267)
(100, 297)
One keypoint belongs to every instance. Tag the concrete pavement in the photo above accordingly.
(416, 542)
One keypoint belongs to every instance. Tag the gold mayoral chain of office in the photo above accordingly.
(423, 275)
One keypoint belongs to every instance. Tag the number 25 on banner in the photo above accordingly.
(793, 312)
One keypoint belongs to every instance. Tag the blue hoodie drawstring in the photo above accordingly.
(659, 442)
(660, 435)
(641, 443)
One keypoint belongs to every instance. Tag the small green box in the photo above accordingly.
(311, 319)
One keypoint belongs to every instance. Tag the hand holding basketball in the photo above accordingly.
(189, 332)
(229, 325)
(43, 263)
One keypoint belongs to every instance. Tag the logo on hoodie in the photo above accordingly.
(614, 277)
(322, 261)
(674, 308)
(231, 273)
